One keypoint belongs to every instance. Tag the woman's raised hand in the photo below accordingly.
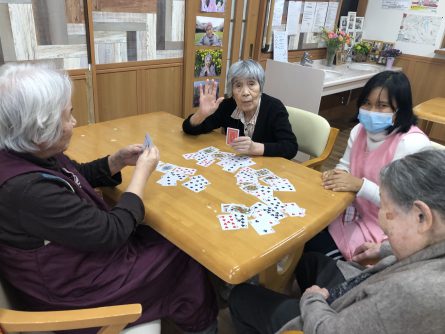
(207, 98)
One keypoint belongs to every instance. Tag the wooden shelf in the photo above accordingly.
(440, 52)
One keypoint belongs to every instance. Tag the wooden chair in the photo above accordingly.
(314, 134)
(110, 319)
(431, 111)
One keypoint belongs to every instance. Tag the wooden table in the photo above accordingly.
(189, 219)
(431, 111)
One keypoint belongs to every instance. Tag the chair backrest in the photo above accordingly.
(437, 146)
(312, 131)
(110, 318)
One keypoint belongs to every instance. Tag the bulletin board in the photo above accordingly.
(390, 20)
(206, 39)
(302, 20)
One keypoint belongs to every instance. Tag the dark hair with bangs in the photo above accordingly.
(399, 91)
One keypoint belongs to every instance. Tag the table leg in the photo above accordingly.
(278, 280)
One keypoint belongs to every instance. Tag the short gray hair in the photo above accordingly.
(32, 99)
(244, 69)
(419, 176)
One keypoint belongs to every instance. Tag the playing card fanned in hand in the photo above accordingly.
(147, 141)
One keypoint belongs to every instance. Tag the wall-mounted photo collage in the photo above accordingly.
(209, 39)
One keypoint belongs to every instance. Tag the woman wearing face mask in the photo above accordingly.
(386, 132)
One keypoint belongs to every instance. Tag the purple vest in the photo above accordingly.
(12, 165)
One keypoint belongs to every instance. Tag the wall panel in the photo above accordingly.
(162, 90)
(79, 100)
(117, 94)
(427, 81)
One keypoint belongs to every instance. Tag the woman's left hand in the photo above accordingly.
(316, 289)
(126, 156)
(338, 180)
(245, 145)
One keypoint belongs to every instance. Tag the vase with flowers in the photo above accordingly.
(360, 51)
(334, 40)
(390, 56)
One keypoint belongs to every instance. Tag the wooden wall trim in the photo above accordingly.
(126, 67)
(421, 59)
(140, 64)
(236, 31)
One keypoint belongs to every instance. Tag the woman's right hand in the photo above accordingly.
(145, 165)
(148, 160)
(207, 102)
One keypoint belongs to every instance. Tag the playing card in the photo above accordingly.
(168, 180)
(199, 179)
(228, 222)
(194, 186)
(238, 208)
(225, 207)
(189, 156)
(231, 135)
(261, 226)
(279, 184)
(209, 150)
(205, 162)
(147, 141)
(184, 170)
(264, 172)
(166, 167)
(266, 217)
(293, 210)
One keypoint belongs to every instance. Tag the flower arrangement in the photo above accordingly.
(361, 48)
(391, 53)
(335, 39)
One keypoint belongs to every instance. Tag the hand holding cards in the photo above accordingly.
(231, 135)
(147, 141)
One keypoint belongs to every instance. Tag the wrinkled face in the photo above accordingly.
(209, 31)
(378, 101)
(246, 93)
(68, 123)
(207, 60)
(400, 226)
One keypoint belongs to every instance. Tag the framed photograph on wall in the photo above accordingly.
(196, 86)
(343, 23)
(213, 6)
(208, 62)
(209, 31)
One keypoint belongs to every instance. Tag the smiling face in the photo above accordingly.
(209, 31)
(378, 101)
(246, 93)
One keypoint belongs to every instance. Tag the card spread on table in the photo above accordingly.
(261, 183)
(231, 135)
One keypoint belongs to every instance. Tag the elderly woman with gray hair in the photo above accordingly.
(61, 245)
(262, 120)
(402, 293)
